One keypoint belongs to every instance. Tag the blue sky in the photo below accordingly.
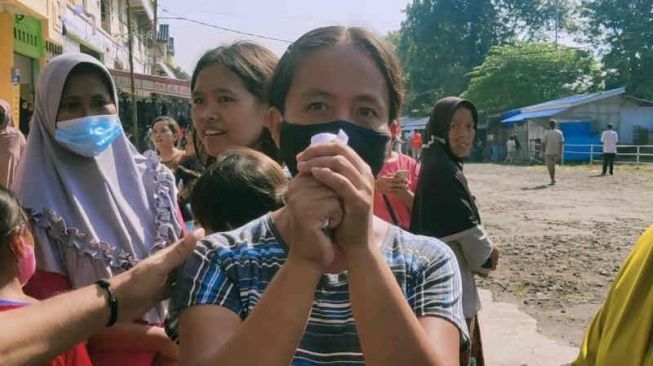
(284, 19)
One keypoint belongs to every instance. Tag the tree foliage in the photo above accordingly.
(441, 41)
(530, 20)
(514, 76)
(626, 28)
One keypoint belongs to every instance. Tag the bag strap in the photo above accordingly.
(391, 210)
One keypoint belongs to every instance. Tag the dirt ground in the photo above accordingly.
(560, 246)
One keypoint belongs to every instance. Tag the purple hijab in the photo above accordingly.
(92, 217)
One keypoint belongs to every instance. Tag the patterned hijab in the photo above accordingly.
(93, 217)
(443, 204)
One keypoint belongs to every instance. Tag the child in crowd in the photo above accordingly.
(242, 185)
(17, 266)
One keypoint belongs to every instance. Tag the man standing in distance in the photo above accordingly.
(609, 139)
(552, 145)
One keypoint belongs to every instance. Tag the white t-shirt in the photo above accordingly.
(553, 139)
(511, 146)
(610, 138)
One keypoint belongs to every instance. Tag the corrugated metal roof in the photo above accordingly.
(413, 123)
(536, 114)
(556, 106)
(574, 100)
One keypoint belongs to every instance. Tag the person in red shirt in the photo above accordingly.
(18, 264)
(417, 144)
(395, 184)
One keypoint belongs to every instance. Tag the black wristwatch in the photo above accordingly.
(112, 301)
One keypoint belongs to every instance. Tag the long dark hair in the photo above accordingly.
(254, 66)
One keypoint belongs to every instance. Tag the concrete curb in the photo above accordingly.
(510, 337)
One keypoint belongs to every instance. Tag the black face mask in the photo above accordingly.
(370, 145)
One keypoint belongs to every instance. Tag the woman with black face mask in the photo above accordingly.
(445, 208)
(322, 280)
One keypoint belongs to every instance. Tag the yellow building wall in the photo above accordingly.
(7, 89)
(55, 25)
(39, 8)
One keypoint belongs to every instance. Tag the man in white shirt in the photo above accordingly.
(553, 147)
(511, 149)
(609, 139)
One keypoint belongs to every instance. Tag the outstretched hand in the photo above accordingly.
(148, 283)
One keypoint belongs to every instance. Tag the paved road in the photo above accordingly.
(510, 337)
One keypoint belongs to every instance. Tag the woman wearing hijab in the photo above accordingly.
(12, 144)
(445, 208)
(97, 206)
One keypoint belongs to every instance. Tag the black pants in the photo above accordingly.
(608, 161)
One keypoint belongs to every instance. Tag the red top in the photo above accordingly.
(76, 356)
(402, 212)
(394, 129)
(47, 284)
(417, 139)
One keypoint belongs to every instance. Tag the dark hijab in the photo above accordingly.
(443, 204)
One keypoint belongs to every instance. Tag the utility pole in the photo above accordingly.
(131, 77)
(557, 20)
(155, 41)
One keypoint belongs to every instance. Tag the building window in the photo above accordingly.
(90, 51)
(105, 12)
(122, 10)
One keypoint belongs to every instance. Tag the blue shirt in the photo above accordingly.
(233, 270)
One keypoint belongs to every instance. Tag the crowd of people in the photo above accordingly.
(320, 242)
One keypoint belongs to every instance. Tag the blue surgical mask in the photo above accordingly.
(88, 136)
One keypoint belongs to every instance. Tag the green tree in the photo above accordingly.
(626, 28)
(394, 37)
(514, 76)
(531, 20)
(441, 41)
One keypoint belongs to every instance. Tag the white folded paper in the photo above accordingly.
(328, 137)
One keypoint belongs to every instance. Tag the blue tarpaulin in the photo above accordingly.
(579, 133)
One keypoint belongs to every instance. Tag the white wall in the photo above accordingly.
(632, 117)
(602, 112)
(622, 112)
